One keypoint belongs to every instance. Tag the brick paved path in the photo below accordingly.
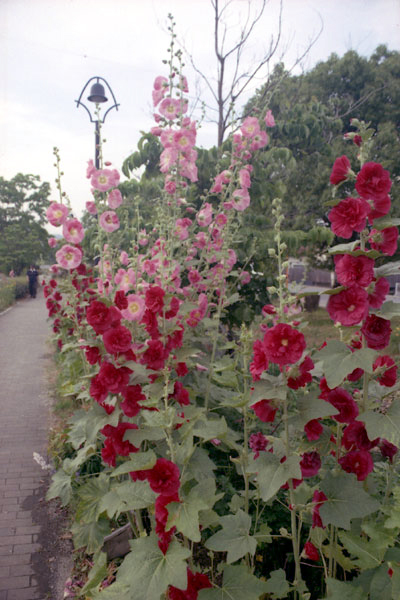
(23, 430)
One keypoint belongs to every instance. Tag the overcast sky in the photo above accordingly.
(50, 48)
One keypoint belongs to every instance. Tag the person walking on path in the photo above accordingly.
(33, 275)
(27, 559)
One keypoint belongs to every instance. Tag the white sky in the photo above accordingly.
(50, 48)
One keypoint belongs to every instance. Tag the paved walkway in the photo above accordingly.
(24, 410)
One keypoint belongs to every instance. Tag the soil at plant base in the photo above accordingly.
(53, 563)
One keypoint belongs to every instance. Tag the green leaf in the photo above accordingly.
(90, 496)
(346, 500)
(200, 465)
(137, 462)
(388, 310)
(185, 514)
(381, 585)
(77, 432)
(365, 553)
(90, 535)
(384, 222)
(60, 487)
(277, 584)
(338, 590)
(137, 436)
(270, 389)
(208, 429)
(384, 425)
(391, 268)
(116, 591)
(97, 573)
(338, 361)
(128, 495)
(149, 572)
(238, 584)
(310, 407)
(234, 537)
(272, 474)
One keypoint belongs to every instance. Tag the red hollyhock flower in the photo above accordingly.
(258, 443)
(357, 140)
(299, 376)
(349, 306)
(115, 380)
(376, 332)
(354, 269)
(161, 514)
(264, 410)
(358, 462)
(260, 361)
(115, 443)
(355, 375)
(355, 437)
(384, 240)
(154, 299)
(154, 357)
(100, 317)
(313, 430)
(377, 292)
(196, 582)
(323, 386)
(340, 170)
(373, 181)
(318, 498)
(386, 370)
(310, 464)
(345, 404)
(92, 355)
(348, 216)
(98, 390)
(379, 208)
(121, 300)
(388, 450)
(311, 552)
(164, 477)
(150, 322)
(180, 394)
(117, 339)
(132, 396)
(173, 309)
(283, 344)
(181, 369)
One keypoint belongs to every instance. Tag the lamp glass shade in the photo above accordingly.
(97, 93)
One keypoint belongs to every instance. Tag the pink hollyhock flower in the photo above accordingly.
(125, 280)
(385, 240)
(265, 410)
(168, 158)
(170, 108)
(388, 450)
(373, 181)
(114, 199)
(311, 552)
(250, 127)
(313, 430)
(160, 83)
(318, 499)
(377, 292)
(241, 199)
(196, 315)
(167, 137)
(204, 216)
(258, 443)
(135, 309)
(109, 221)
(188, 168)
(344, 403)
(260, 361)
(310, 464)
(164, 477)
(57, 214)
(124, 258)
(355, 437)
(340, 170)
(299, 376)
(90, 169)
(181, 228)
(348, 216)
(184, 139)
(101, 317)
(348, 307)
(245, 277)
(52, 242)
(104, 179)
(385, 370)
(269, 119)
(244, 178)
(73, 231)
(376, 332)
(354, 269)
(358, 462)
(91, 207)
(69, 257)
(283, 344)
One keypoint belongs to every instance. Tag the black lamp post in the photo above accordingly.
(97, 96)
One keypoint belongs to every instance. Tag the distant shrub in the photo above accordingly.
(12, 289)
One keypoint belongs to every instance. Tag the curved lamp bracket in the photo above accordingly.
(80, 103)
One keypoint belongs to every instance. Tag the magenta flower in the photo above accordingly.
(52, 242)
(57, 214)
(348, 307)
(69, 257)
(109, 221)
(204, 216)
(114, 199)
(385, 240)
(340, 170)
(73, 231)
(104, 179)
(269, 119)
(354, 269)
(373, 181)
(91, 207)
(348, 216)
(283, 344)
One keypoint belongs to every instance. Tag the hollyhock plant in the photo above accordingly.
(57, 214)
(258, 443)
(340, 170)
(310, 464)
(109, 221)
(101, 317)
(348, 216)
(69, 257)
(313, 430)
(355, 437)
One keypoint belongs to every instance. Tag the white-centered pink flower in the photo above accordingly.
(73, 231)
(241, 199)
(57, 213)
(204, 216)
(69, 257)
(135, 309)
(109, 221)
(250, 127)
(104, 179)
(125, 279)
(114, 199)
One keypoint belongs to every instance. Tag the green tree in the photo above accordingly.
(23, 238)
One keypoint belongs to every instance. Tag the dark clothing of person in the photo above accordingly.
(33, 275)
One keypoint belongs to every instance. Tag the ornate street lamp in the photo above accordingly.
(98, 96)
